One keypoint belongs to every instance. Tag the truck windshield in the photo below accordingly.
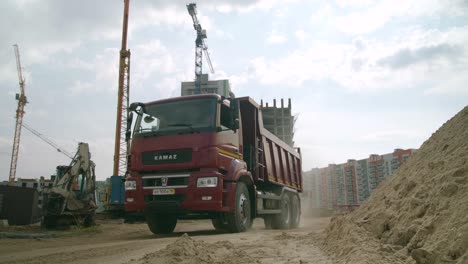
(178, 117)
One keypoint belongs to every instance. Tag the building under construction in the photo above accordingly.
(279, 120)
(221, 87)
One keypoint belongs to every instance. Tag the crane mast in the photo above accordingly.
(121, 146)
(200, 47)
(21, 97)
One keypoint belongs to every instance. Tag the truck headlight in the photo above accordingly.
(130, 185)
(207, 182)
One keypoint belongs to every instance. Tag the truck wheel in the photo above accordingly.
(240, 219)
(295, 211)
(161, 224)
(268, 221)
(283, 219)
(219, 224)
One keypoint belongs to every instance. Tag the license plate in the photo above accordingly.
(163, 191)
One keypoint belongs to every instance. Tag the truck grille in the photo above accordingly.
(165, 181)
(165, 198)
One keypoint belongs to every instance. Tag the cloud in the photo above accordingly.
(390, 135)
(80, 87)
(323, 14)
(8, 71)
(377, 131)
(45, 28)
(102, 71)
(378, 14)
(456, 86)
(154, 59)
(353, 3)
(319, 143)
(413, 58)
(300, 35)
(406, 57)
(276, 38)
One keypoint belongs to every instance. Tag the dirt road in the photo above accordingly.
(192, 242)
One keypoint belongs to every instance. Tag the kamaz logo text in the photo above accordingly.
(165, 157)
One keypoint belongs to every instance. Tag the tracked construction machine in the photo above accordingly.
(71, 200)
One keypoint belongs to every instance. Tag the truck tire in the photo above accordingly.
(240, 219)
(283, 219)
(219, 224)
(268, 221)
(161, 224)
(295, 211)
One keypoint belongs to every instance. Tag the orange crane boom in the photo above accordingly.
(21, 97)
(121, 146)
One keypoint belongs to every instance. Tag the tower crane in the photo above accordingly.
(200, 47)
(121, 146)
(48, 141)
(22, 101)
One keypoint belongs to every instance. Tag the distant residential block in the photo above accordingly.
(347, 185)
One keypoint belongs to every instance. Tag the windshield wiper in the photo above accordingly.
(185, 125)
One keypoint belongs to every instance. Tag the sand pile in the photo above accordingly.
(186, 250)
(420, 214)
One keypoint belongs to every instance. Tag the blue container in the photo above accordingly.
(117, 193)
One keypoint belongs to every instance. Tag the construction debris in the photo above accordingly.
(417, 216)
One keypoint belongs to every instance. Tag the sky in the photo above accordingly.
(363, 76)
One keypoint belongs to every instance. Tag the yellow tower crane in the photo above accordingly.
(21, 97)
(121, 147)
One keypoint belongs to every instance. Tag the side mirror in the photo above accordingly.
(134, 106)
(235, 124)
(234, 107)
(148, 119)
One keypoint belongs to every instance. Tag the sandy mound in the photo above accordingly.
(420, 214)
(186, 250)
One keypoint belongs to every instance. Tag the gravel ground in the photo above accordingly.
(192, 242)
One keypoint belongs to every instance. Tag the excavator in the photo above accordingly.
(72, 200)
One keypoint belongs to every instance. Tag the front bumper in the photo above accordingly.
(184, 199)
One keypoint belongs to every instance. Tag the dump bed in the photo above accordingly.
(270, 160)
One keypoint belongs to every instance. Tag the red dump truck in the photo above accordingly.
(209, 157)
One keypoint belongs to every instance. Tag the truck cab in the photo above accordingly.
(187, 161)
